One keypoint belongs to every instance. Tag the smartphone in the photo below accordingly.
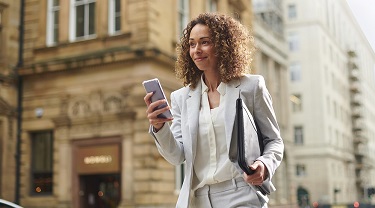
(153, 85)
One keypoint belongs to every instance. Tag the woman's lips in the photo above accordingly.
(199, 58)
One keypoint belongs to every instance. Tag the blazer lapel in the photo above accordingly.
(230, 109)
(193, 104)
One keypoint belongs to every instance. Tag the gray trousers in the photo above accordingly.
(233, 193)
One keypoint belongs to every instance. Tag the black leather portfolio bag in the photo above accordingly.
(247, 144)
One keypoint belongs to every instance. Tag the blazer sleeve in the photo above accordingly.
(169, 139)
(265, 118)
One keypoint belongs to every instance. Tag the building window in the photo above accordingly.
(296, 102)
(292, 11)
(41, 163)
(183, 15)
(114, 16)
(295, 72)
(180, 174)
(211, 5)
(300, 170)
(293, 42)
(335, 109)
(53, 22)
(82, 19)
(298, 135)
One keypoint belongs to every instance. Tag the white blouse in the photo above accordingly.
(212, 164)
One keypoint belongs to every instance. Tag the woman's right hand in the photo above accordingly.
(152, 114)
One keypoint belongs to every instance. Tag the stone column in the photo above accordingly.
(63, 177)
(63, 164)
(127, 167)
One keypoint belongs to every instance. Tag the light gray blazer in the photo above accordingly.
(177, 142)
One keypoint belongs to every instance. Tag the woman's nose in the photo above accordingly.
(198, 48)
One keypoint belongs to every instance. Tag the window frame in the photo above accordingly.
(112, 15)
(296, 100)
(51, 26)
(300, 170)
(298, 135)
(293, 42)
(33, 137)
(292, 11)
(182, 16)
(295, 72)
(73, 23)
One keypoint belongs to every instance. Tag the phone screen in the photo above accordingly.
(153, 85)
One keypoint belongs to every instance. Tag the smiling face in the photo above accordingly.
(202, 50)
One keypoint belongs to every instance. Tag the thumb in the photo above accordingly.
(254, 166)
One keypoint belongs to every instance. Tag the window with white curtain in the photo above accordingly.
(114, 16)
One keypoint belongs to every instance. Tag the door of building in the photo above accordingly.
(99, 191)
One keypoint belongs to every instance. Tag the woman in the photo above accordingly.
(212, 60)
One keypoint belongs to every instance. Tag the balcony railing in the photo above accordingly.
(356, 101)
(352, 54)
(355, 87)
(354, 74)
(359, 137)
(358, 124)
(360, 150)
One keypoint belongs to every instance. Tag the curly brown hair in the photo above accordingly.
(233, 43)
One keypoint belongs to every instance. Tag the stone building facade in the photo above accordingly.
(9, 21)
(85, 139)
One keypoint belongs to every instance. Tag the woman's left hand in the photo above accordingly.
(260, 174)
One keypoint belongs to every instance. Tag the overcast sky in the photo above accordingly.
(364, 11)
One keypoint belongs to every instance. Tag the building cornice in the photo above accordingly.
(96, 58)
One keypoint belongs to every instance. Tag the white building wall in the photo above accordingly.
(320, 35)
(271, 61)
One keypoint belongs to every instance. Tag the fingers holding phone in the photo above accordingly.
(153, 111)
(158, 110)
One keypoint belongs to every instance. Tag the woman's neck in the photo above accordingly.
(212, 80)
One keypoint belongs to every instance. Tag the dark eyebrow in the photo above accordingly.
(199, 38)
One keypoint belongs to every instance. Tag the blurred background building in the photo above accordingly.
(332, 87)
(85, 139)
(82, 127)
(9, 22)
(271, 61)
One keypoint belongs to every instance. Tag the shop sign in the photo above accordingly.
(98, 159)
